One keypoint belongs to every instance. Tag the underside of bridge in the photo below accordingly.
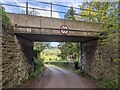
(88, 46)
(55, 38)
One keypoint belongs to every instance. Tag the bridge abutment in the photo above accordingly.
(16, 57)
(88, 56)
(99, 59)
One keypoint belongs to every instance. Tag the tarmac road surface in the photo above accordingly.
(55, 77)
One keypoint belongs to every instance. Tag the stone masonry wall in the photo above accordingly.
(99, 58)
(15, 63)
(0, 51)
(88, 56)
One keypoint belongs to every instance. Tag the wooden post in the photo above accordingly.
(26, 7)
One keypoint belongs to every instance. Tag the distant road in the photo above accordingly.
(55, 77)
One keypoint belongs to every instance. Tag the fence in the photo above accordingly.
(31, 7)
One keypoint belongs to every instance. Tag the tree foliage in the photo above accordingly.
(3, 16)
(70, 15)
(94, 11)
(40, 46)
(69, 50)
(38, 62)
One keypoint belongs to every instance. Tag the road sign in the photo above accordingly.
(64, 29)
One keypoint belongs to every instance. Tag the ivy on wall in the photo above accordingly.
(5, 20)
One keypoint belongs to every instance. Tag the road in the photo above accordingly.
(55, 77)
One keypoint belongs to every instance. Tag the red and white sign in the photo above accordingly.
(64, 29)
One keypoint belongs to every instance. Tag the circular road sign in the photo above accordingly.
(64, 29)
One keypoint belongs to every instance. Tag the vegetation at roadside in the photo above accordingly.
(3, 16)
(37, 70)
(50, 54)
(69, 51)
(38, 62)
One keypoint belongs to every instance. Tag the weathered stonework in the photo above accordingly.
(15, 63)
(119, 51)
(99, 58)
(0, 49)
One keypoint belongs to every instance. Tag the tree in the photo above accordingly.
(70, 14)
(97, 11)
(3, 15)
(40, 46)
(69, 50)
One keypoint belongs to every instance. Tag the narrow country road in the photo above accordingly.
(55, 77)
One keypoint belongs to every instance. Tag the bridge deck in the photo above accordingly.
(55, 38)
(38, 28)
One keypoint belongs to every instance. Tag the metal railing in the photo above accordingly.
(37, 10)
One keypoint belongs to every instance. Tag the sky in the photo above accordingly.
(54, 44)
(36, 4)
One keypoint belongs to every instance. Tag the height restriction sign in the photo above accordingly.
(64, 29)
